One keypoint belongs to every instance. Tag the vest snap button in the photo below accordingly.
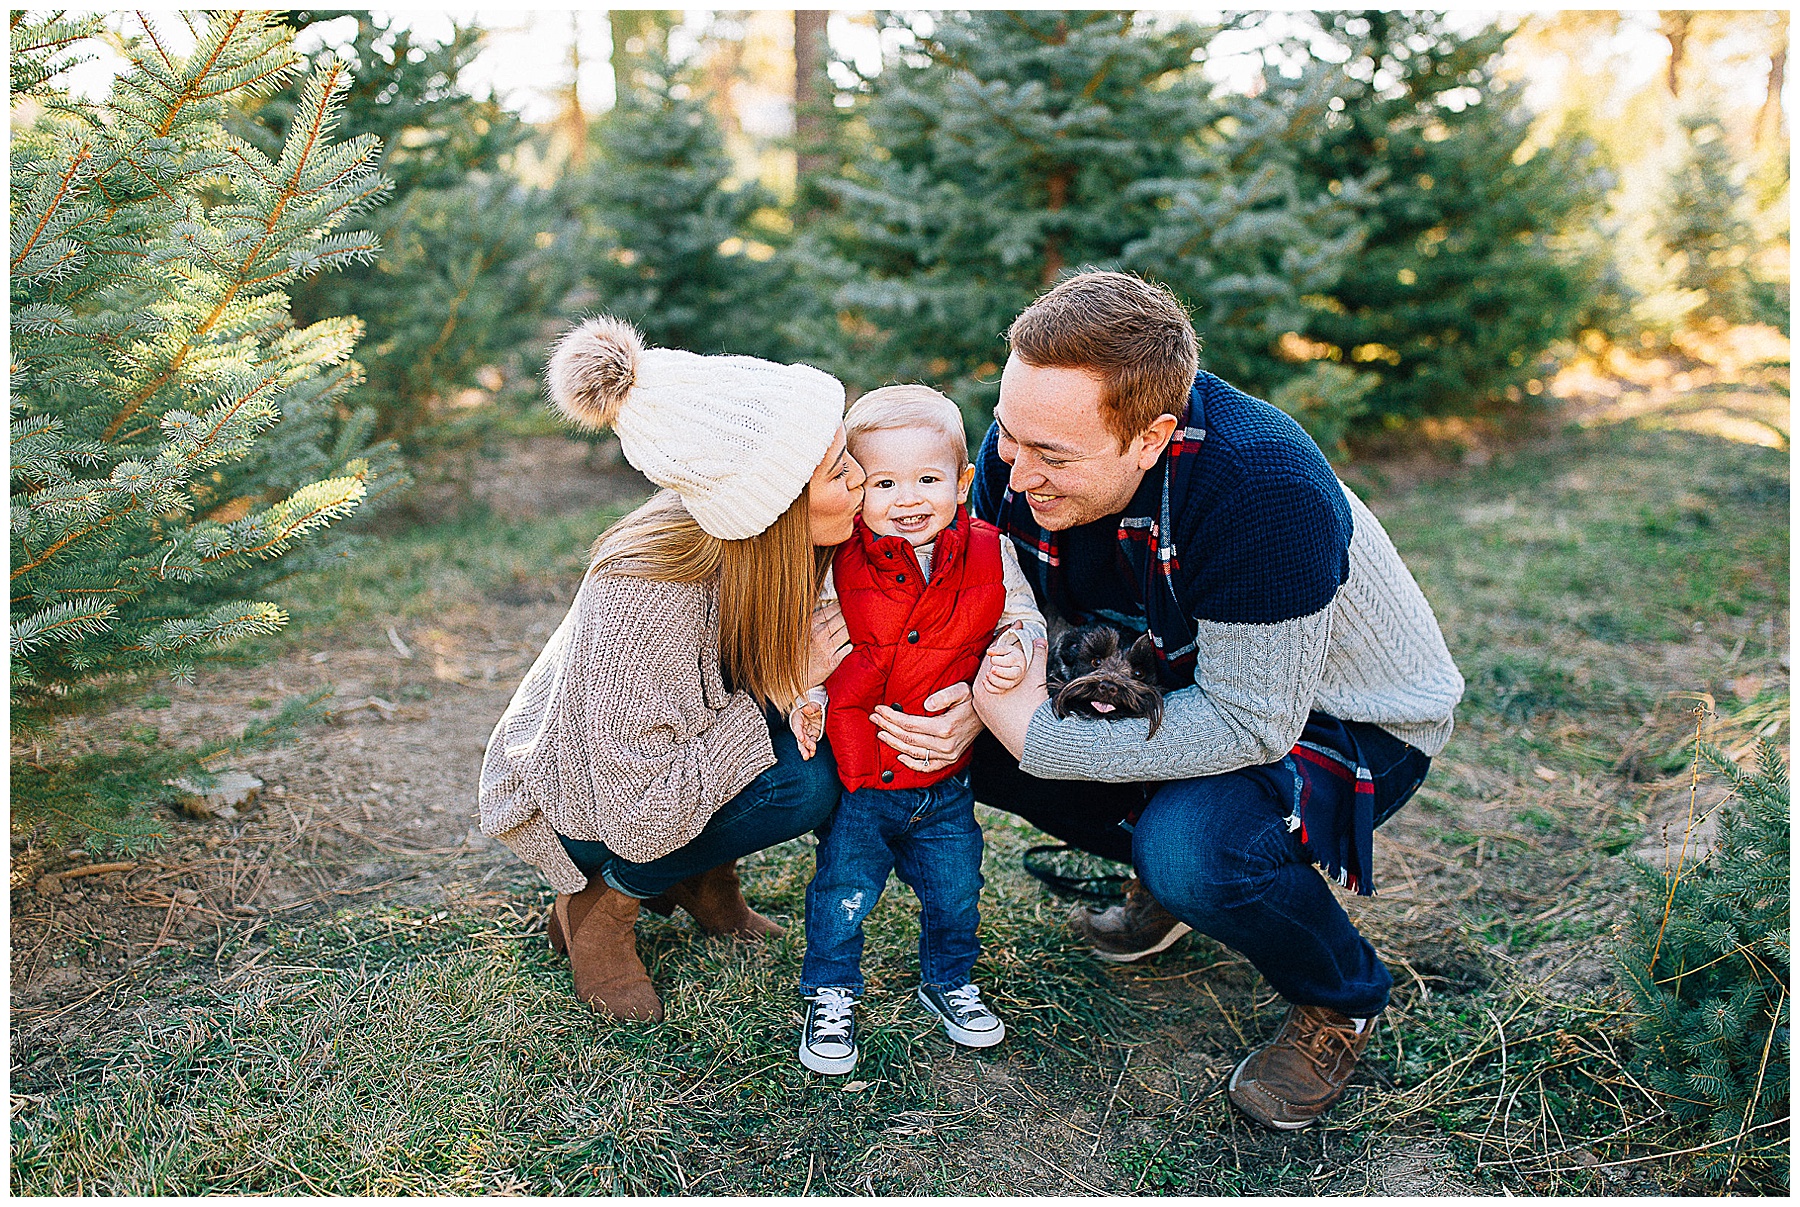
(899, 578)
(912, 638)
(887, 777)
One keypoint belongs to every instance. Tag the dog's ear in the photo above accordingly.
(1063, 650)
(1142, 657)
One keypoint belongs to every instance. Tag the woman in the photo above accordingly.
(646, 749)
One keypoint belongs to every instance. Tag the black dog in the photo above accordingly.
(1089, 674)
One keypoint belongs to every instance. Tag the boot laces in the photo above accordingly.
(1323, 1041)
(832, 1014)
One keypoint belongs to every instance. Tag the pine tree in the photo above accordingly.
(153, 358)
(1702, 226)
(673, 245)
(1471, 265)
(1001, 151)
(472, 260)
(1707, 956)
(1011, 148)
(1252, 244)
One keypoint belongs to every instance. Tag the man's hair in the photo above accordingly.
(894, 407)
(1131, 333)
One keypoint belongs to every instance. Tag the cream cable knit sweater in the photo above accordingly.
(622, 731)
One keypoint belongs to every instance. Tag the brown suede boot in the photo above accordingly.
(715, 901)
(1295, 1079)
(577, 906)
(1133, 930)
(597, 925)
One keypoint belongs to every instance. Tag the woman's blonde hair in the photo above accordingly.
(768, 584)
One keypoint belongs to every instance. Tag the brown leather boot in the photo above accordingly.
(1295, 1079)
(1132, 930)
(715, 900)
(597, 924)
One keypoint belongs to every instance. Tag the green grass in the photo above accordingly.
(386, 1051)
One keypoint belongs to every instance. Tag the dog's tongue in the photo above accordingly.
(1099, 707)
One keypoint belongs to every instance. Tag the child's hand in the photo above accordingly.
(808, 724)
(1004, 667)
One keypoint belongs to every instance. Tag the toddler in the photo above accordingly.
(924, 588)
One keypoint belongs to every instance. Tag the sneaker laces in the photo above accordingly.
(831, 1016)
(966, 1002)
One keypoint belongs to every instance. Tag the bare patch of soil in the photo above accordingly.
(378, 801)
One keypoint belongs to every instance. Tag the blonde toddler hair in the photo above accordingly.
(913, 406)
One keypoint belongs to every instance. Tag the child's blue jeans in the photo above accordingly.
(930, 839)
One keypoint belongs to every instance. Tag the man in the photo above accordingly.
(1307, 684)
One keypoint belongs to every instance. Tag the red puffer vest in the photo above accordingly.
(911, 638)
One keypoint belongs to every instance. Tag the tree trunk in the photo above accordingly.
(571, 123)
(1770, 117)
(1675, 29)
(811, 52)
(1058, 188)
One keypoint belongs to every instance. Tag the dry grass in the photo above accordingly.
(381, 1044)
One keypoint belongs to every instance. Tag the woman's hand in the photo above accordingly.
(830, 643)
(1008, 714)
(807, 722)
(930, 743)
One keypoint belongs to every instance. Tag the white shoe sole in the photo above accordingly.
(963, 1036)
(1231, 1088)
(1130, 957)
(826, 1064)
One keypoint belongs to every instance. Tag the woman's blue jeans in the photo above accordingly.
(1217, 853)
(792, 798)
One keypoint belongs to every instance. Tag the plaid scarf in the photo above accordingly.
(1148, 539)
(1325, 780)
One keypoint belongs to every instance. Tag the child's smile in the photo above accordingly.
(913, 487)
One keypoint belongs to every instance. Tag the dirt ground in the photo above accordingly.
(379, 804)
(380, 800)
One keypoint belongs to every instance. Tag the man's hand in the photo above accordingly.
(930, 743)
(830, 643)
(808, 722)
(1007, 714)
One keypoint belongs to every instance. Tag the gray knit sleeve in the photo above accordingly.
(1254, 686)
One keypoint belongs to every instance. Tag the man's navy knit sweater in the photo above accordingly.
(1270, 590)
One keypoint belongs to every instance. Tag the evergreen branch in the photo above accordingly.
(335, 73)
(150, 32)
(189, 94)
(82, 155)
(56, 548)
(63, 622)
(233, 410)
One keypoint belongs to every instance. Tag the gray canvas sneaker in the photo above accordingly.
(966, 1018)
(828, 1036)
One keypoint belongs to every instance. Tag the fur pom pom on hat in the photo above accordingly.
(736, 437)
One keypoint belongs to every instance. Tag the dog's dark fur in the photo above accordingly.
(1088, 673)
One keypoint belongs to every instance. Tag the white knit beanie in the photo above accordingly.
(736, 437)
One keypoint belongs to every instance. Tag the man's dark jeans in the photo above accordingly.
(930, 839)
(1217, 853)
(787, 800)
